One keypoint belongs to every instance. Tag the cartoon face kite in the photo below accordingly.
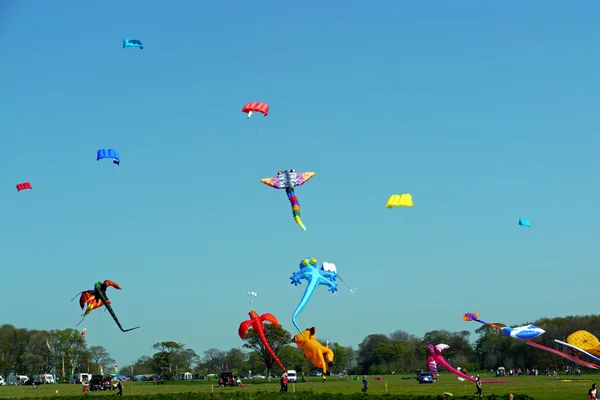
(320, 356)
(288, 180)
(97, 298)
(315, 276)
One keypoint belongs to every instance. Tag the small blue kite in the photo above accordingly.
(525, 222)
(133, 43)
(109, 153)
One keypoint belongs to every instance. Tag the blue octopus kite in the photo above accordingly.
(309, 270)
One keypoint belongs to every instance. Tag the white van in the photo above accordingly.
(2, 383)
(291, 375)
(48, 378)
(16, 379)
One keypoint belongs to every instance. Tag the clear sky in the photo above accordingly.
(484, 112)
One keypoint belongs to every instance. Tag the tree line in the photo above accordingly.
(33, 351)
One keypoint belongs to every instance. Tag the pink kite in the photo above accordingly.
(564, 355)
(435, 358)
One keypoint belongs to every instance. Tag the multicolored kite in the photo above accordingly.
(97, 298)
(288, 180)
(520, 332)
(435, 358)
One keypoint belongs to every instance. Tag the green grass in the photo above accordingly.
(538, 387)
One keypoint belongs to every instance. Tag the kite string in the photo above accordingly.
(350, 289)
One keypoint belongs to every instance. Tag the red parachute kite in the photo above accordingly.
(256, 106)
(24, 185)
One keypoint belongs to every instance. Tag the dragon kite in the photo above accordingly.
(288, 180)
(97, 298)
(256, 322)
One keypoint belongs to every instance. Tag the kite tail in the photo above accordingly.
(295, 207)
(488, 324)
(78, 294)
(110, 310)
(263, 339)
(82, 318)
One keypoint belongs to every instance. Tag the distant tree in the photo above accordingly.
(168, 351)
(213, 360)
(99, 355)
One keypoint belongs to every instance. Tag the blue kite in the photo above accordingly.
(133, 43)
(525, 222)
(109, 153)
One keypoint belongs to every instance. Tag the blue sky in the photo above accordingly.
(485, 113)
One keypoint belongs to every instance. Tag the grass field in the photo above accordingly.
(539, 387)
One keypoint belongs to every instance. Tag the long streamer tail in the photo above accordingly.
(112, 313)
(474, 317)
(82, 318)
(263, 338)
(110, 310)
(295, 207)
(78, 294)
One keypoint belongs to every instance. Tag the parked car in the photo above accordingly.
(425, 377)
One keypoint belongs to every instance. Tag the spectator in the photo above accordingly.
(593, 392)
(478, 385)
(365, 384)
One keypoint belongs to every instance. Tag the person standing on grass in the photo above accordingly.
(365, 384)
(593, 392)
(285, 383)
(478, 384)
(120, 387)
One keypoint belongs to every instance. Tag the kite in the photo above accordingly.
(400, 200)
(97, 298)
(288, 180)
(586, 341)
(310, 271)
(255, 106)
(520, 332)
(525, 222)
(109, 153)
(435, 358)
(563, 355)
(579, 350)
(84, 331)
(133, 43)
(252, 294)
(256, 322)
(23, 186)
(320, 356)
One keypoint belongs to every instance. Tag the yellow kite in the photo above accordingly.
(400, 200)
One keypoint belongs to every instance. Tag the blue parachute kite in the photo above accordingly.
(525, 222)
(109, 153)
(133, 43)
